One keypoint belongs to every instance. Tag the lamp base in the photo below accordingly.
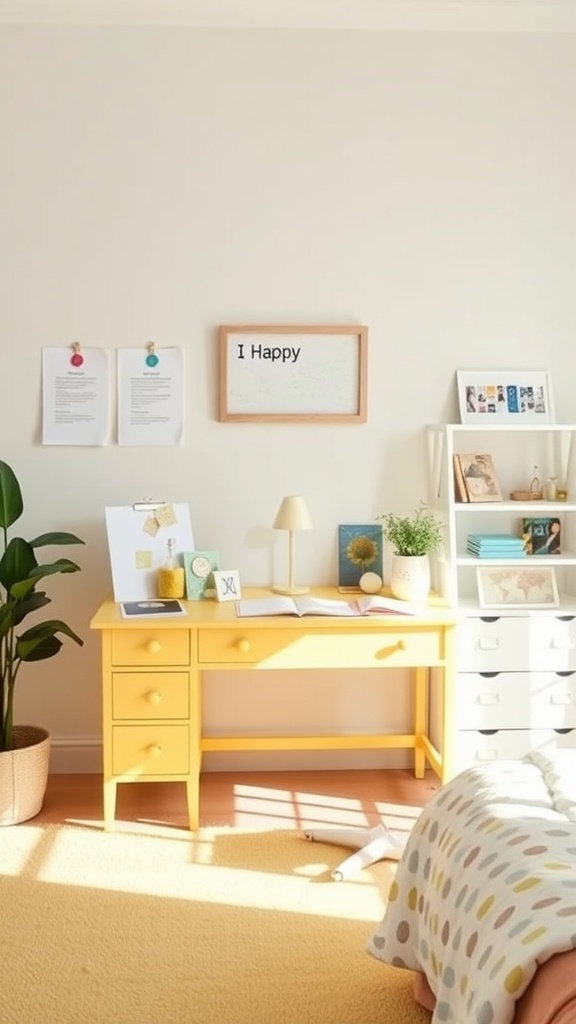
(291, 591)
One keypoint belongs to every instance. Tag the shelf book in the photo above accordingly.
(542, 535)
(478, 474)
(495, 545)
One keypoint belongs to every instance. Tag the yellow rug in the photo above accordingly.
(219, 927)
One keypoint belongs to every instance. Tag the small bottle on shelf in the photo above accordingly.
(170, 575)
(535, 485)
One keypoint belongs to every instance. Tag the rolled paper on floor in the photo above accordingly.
(383, 847)
(371, 844)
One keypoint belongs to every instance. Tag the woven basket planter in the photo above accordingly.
(24, 774)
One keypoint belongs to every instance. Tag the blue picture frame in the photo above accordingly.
(360, 550)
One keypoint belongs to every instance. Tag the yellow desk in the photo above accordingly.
(152, 683)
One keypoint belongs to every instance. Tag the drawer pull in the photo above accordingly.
(489, 643)
(385, 652)
(154, 750)
(243, 646)
(153, 647)
(154, 697)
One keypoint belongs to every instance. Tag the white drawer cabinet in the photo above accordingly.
(473, 747)
(516, 700)
(514, 643)
(516, 686)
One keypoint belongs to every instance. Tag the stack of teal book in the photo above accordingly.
(495, 545)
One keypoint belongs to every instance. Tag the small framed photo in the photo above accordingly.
(359, 551)
(227, 583)
(522, 587)
(491, 397)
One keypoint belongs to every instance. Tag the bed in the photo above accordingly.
(483, 904)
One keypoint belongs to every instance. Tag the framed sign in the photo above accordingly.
(496, 397)
(280, 373)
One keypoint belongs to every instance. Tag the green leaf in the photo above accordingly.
(55, 538)
(40, 642)
(11, 505)
(16, 563)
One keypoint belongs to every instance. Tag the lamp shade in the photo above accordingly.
(292, 514)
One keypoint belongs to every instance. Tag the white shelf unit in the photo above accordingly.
(515, 450)
(516, 667)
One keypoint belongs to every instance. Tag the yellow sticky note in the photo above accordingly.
(165, 515)
(151, 526)
(143, 559)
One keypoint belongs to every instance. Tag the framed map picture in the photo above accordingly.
(525, 587)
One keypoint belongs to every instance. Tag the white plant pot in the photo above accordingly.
(410, 580)
(24, 775)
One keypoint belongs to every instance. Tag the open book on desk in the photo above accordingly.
(369, 605)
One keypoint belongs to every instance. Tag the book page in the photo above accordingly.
(377, 604)
(325, 606)
(266, 606)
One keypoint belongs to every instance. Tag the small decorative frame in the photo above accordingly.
(494, 397)
(359, 551)
(522, 587)
(227, 583)
(199, 567)
(276, 373)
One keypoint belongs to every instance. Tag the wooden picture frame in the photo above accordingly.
(497, 397)
(279, 373)
(527, 586)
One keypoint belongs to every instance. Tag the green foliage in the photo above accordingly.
(418, 534)
(20, 574)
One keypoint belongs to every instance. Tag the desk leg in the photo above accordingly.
(110, 789)
(420, 718)
(193, 780)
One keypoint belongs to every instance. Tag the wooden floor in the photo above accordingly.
(251, 800)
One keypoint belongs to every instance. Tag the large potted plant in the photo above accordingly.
(24, 749)
(413, 538)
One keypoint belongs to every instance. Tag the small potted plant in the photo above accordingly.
(24, 749)
(413, 539)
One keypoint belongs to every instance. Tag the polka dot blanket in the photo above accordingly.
(486, 888)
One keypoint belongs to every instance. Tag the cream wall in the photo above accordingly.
(158, 181)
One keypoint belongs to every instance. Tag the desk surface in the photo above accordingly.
(222, 614)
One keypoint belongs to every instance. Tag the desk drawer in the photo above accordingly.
(476, 747)
(150, 749)
(516, 700)
(515, 643)
(318, 648)
(151, 646)
(155, 695)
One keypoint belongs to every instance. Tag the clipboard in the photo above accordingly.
(138, 537)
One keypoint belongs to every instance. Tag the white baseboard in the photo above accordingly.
(77, 755)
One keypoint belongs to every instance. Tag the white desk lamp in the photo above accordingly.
(292, 515)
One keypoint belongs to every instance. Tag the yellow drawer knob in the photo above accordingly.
(154, 697)
(401, 645)
(243, 646)
(153, 647)
(154, 750)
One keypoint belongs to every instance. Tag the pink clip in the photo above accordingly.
(76, 359)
